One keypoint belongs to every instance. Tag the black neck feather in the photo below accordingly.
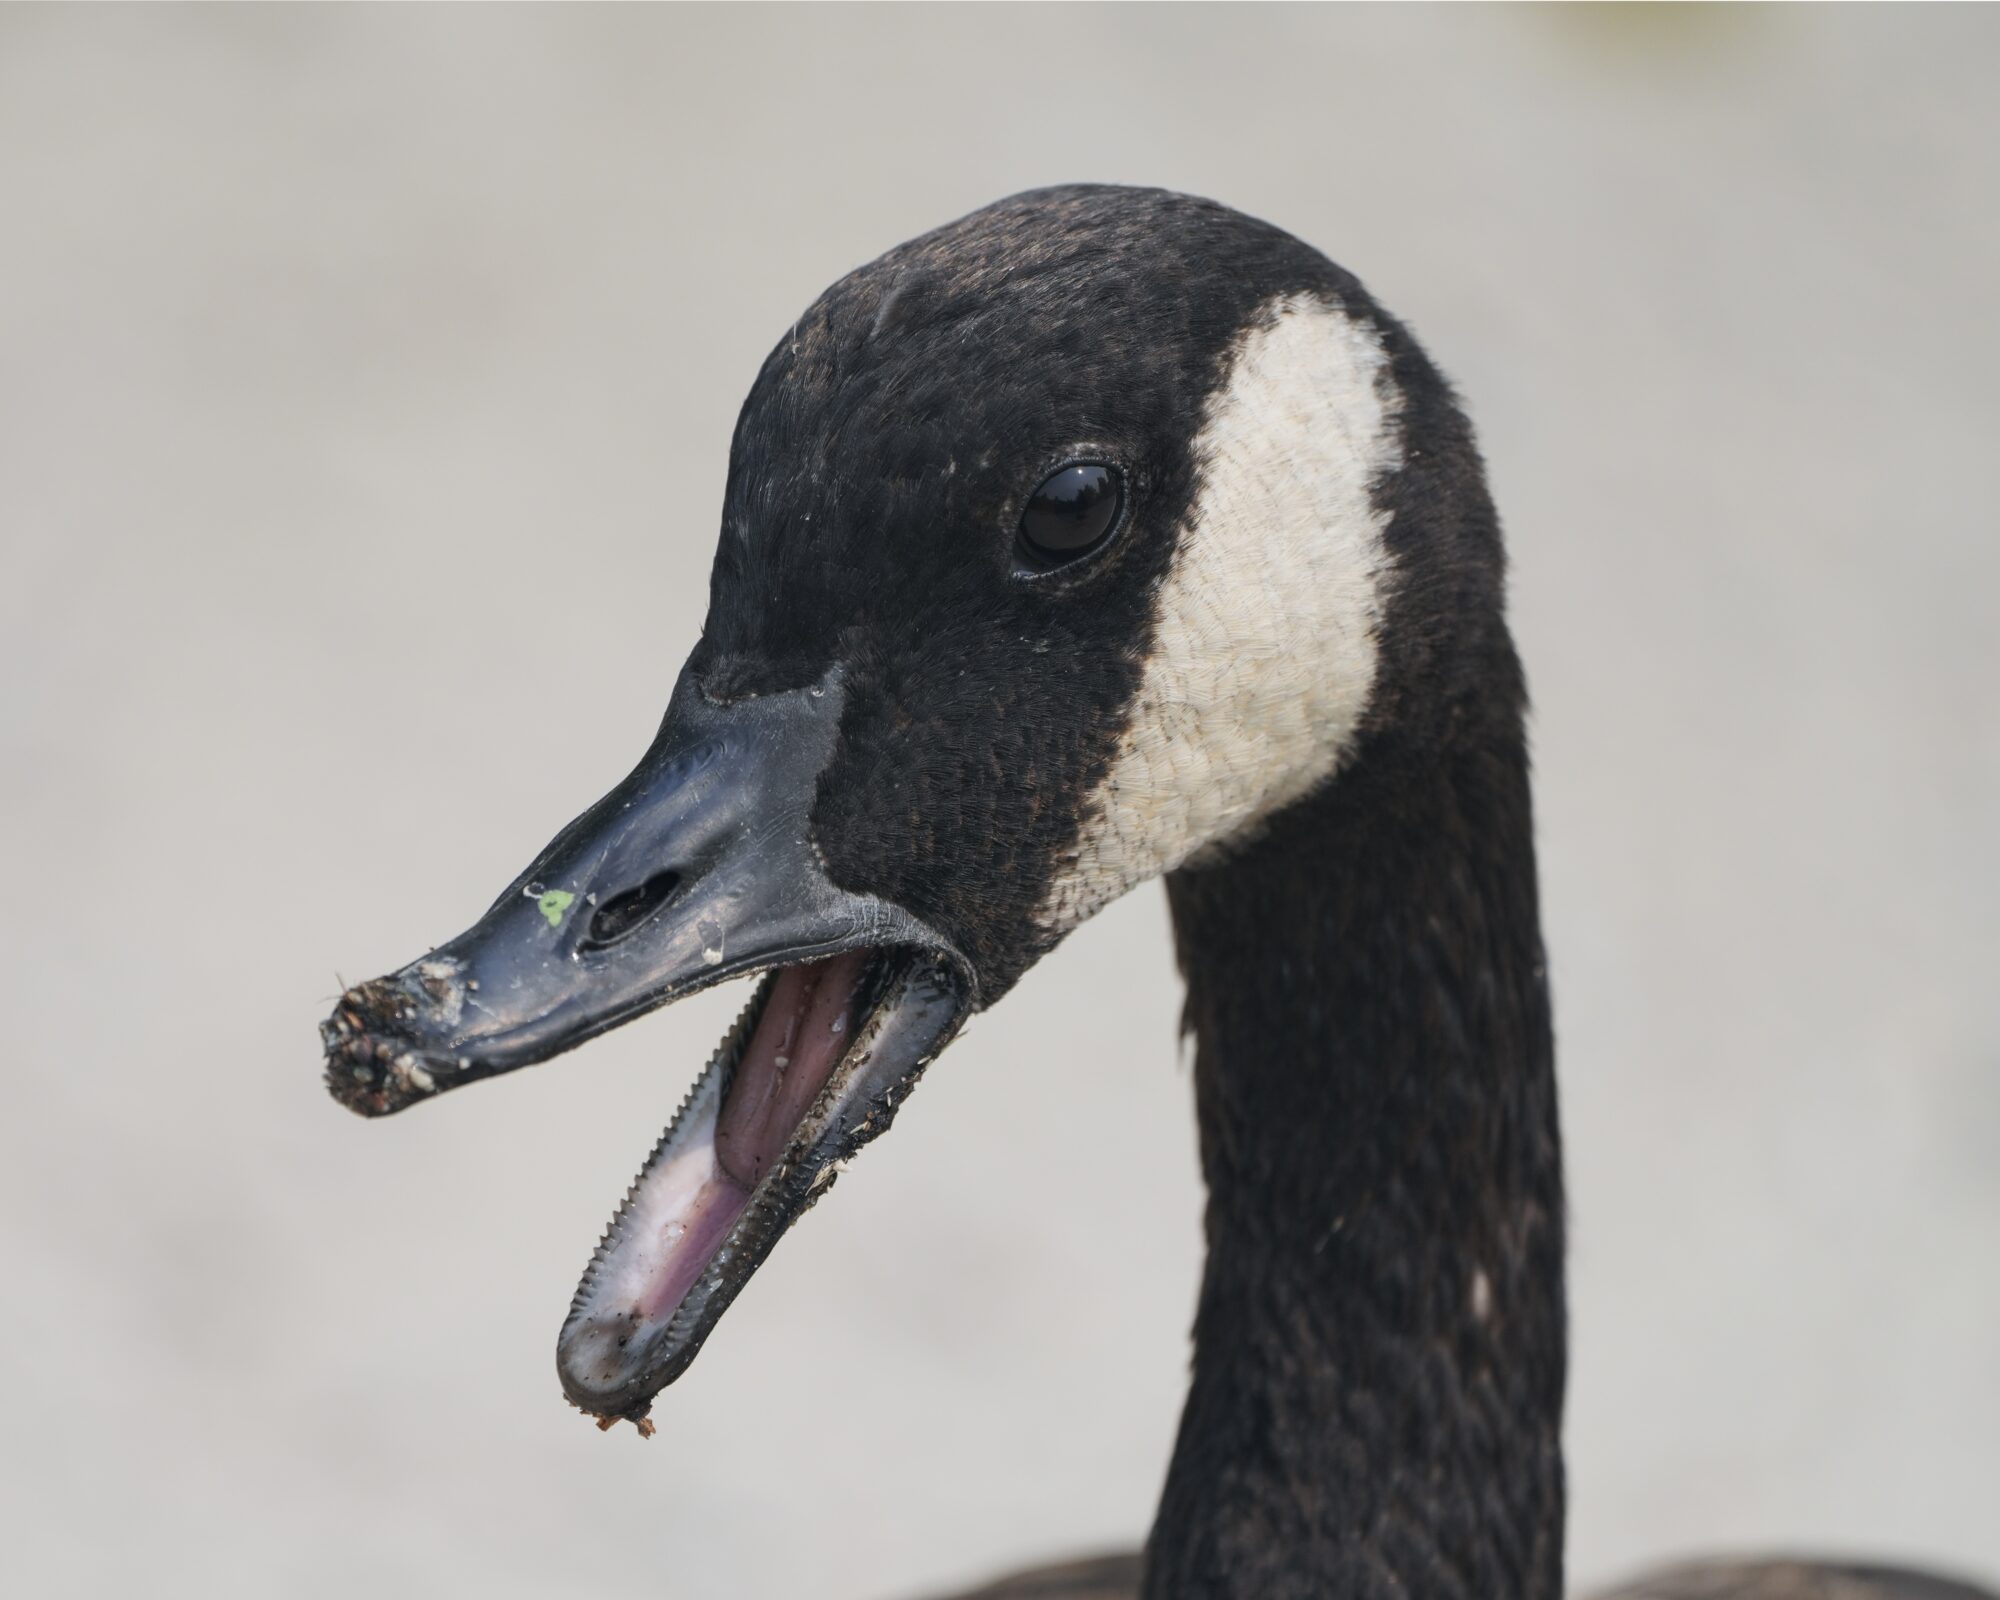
(1379, 1348)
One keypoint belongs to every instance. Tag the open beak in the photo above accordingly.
(698, 867)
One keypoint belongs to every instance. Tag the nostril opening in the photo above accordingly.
(624, 914)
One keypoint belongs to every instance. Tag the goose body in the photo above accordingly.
(1119, 1578)
(1105, 535)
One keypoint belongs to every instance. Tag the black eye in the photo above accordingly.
(1071, 514)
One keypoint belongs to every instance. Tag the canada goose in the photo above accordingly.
(1101, 535)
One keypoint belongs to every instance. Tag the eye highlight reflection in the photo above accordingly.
(1071, 514)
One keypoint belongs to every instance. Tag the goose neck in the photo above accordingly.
(1376, 1398)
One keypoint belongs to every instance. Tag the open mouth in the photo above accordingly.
(814, 1068)
(697, 868)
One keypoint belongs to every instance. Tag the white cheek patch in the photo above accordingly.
(1265, 636)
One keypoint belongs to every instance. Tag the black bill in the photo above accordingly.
(697, 868)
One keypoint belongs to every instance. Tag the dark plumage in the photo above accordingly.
(894, 757)
(897, 424)
(1117, 1578)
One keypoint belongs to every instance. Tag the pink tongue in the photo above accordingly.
(799, 1039)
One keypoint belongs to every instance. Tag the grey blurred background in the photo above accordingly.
(366, 380)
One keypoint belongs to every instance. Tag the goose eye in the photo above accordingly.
(1071, 514)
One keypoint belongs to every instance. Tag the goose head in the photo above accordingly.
(1055, 555)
